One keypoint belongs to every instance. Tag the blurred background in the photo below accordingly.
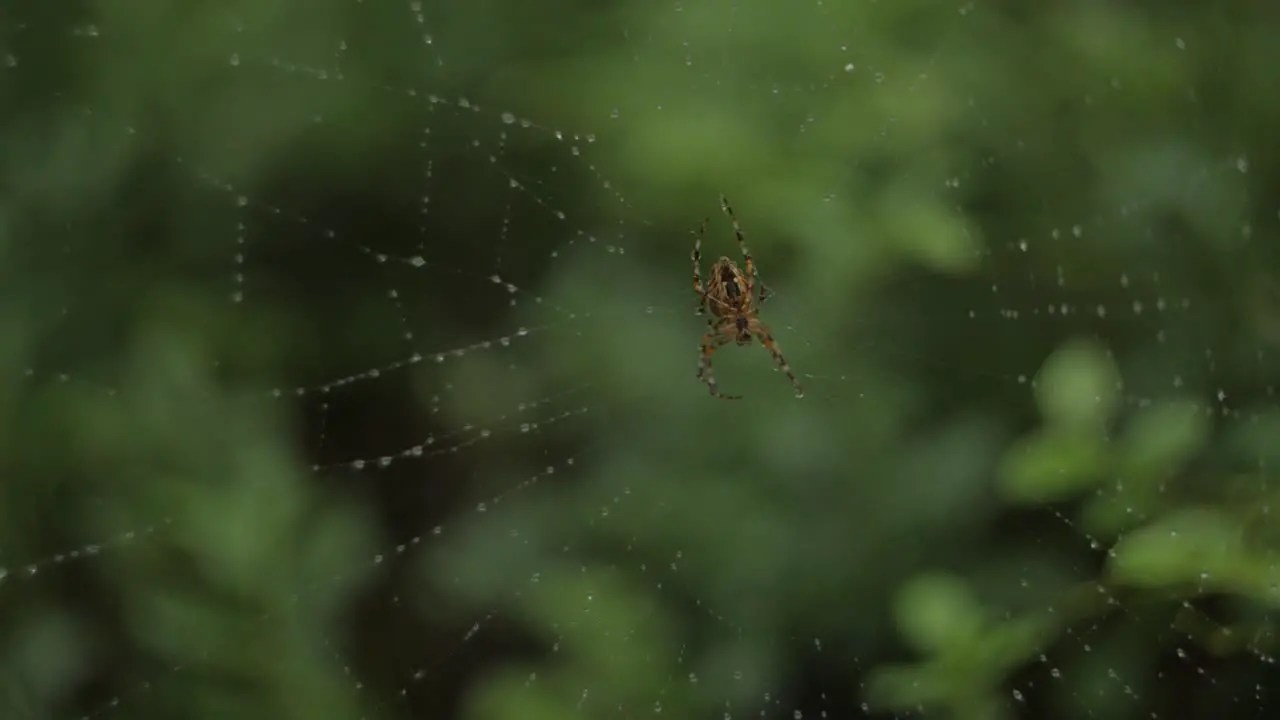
(351, 359)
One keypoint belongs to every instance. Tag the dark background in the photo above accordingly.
(351, 360)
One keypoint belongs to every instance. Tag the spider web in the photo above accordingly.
(437, 448)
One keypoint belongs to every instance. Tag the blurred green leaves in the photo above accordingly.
(610, 643)
(226, 535)
(1196, 551)
(1052, 465)
(1076, 388)
(1076, 394)
(1193, 547)
(935, 613)
(966, 654)
(869, 148)
(1134, 492)
(1159, 441)
(1073, 451)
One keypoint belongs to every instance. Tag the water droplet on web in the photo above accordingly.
(849, 67)
(508, 118)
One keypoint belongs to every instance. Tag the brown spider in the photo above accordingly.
(730, 296)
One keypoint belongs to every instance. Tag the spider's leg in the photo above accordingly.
(761, 331)
(748, 263)
(765, 292)
(711, 342)
(696, 255)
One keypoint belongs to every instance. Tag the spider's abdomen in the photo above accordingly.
(729, 277)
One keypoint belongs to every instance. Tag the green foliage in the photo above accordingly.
(967, 655)
(1076, 388)
(970, 214)
(937, 613)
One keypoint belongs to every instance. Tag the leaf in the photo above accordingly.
(1160, 440)
(1051, 465)
(1077, 385)
(1200, 546)
(1008, 644)
(938, 612)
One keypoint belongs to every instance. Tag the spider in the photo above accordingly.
(730, 295)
